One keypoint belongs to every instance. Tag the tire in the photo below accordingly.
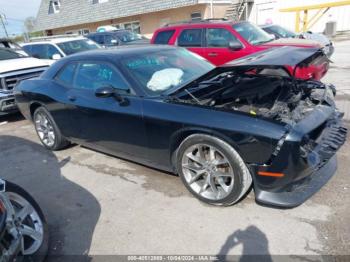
(54, 139)
(16, 193)
(222, 172)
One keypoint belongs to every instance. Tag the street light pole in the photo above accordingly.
(211, 9)
(2, 18)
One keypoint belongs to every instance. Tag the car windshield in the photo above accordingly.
(161, 71)
(253, 34)
(128, 36)
(6, 54)
(75, 46)
(283, 32)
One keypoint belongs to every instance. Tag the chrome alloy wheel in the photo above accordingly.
(45, 129)
(27, 222)
(207, 171)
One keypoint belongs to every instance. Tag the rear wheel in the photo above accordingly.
(212, 170)
(47, 130)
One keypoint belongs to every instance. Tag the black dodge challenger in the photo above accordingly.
(221, 129)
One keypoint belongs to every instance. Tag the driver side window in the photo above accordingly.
(220, 37)
(95, 75)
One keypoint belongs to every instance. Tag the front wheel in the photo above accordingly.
(212, 170)
(30, 222)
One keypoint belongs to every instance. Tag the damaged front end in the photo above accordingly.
(304, 158)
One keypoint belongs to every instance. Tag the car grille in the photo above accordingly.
(11, 80)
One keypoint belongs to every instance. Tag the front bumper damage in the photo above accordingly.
(307, 159)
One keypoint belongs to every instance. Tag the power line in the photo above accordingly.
(2, 17)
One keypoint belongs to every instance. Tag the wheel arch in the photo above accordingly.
(33, 107)
(178, 137)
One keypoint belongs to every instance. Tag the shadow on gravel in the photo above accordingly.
(71, 211)
(254, 242)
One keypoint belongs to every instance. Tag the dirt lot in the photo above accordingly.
(96, 204)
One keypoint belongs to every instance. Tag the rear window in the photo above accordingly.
(67, 74)
(190, 38)
(163, 37)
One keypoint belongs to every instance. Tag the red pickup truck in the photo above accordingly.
(221, 41)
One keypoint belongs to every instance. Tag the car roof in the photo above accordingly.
(200, 24)
(110, 32)
(120, 51)
(54, 40)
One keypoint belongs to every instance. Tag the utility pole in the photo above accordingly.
(211, 9)
(3, 21)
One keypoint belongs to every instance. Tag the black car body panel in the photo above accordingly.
(277, 57)
(281, 32)
(291, 133)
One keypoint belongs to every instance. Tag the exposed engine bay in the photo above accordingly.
(263, 94)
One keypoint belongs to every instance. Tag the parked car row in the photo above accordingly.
(117, 38)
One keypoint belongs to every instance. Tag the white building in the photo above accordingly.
(267, 11)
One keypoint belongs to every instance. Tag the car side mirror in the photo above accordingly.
(109, 91)
(56, 57)
(104, 92)
(235, 46)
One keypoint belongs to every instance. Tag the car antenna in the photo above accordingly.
(190, 94)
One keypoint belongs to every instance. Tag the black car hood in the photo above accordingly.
(279, 56)
(273, 57)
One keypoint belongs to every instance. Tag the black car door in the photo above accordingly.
(104, 123)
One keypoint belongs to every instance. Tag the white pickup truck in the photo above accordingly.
(15, 67)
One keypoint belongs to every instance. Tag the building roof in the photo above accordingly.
(75, 12)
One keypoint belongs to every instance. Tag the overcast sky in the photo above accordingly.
(16, 11)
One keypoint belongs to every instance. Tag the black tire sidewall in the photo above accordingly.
(41, 253)
(238, 175)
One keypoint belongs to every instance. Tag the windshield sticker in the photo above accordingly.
(134, 64)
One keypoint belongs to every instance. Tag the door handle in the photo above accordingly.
(213, 54)
(72, 98)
